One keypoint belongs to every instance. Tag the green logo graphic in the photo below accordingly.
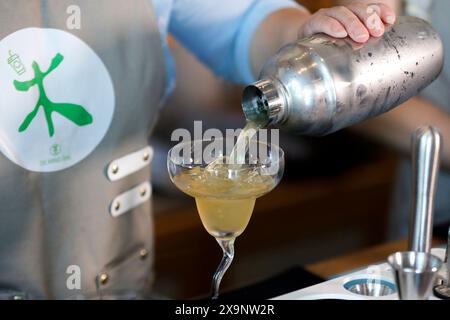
(55, 149)
(75, 113)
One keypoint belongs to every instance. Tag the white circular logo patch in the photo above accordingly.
(56, 99)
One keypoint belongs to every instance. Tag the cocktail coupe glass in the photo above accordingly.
(225, 191)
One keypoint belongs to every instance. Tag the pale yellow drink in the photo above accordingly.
(225, 196)
(225, 218)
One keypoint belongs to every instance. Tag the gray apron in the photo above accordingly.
(83, 220)
(438, 93)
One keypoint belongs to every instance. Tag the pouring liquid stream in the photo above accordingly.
(239, 151)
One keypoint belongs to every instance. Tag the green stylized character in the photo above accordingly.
(74, 112)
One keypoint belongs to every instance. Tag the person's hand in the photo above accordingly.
(358, 21)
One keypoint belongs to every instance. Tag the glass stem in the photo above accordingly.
(228, 255)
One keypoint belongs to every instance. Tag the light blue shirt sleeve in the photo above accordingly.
(219, 33)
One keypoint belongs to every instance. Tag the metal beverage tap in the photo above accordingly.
(416, 269)
(426, 148)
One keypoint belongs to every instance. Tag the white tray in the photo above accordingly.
(335, 288)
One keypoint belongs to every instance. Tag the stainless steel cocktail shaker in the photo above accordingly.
(320, 84)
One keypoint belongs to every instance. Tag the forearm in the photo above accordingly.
(276, 30)
(395, 128)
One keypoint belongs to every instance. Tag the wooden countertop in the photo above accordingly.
(348, 262)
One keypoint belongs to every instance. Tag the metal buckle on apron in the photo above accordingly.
(127, 276)
(130, 199)
(129, 164)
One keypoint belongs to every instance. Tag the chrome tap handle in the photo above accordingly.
(426, 148)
